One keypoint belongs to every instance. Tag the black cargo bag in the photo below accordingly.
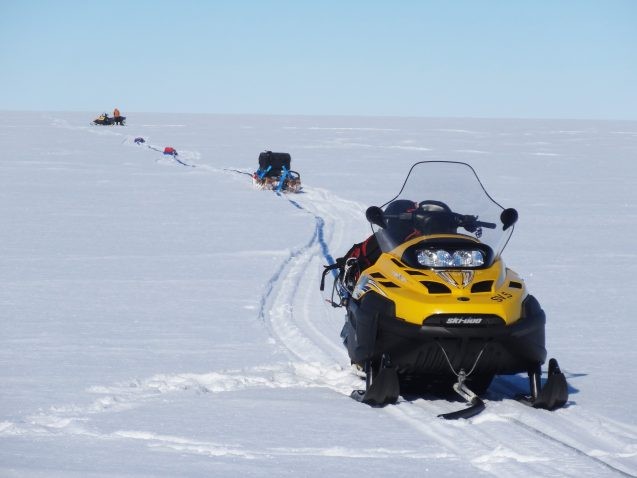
(276, 162)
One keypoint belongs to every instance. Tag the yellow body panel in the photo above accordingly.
(414, 302)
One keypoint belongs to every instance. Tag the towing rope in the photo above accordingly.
(174, 156)
(238, 171)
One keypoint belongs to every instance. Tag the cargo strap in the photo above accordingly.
(262, 173)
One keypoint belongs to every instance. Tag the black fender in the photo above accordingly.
(361, 327)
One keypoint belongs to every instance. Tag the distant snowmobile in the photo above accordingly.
(105, 120)
(430, 302)
(274, 173)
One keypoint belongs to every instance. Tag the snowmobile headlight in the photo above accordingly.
(468, 258)
(442, 258)
(431, 258)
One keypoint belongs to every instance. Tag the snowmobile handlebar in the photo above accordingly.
(377, 216)
(466, 221)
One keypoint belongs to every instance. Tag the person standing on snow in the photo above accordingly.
(117, 116)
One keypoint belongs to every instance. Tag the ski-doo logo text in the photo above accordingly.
(463, 320)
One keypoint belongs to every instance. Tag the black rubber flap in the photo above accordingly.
(383, 390)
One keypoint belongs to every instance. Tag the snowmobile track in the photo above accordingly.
(575, 449)
(525, 442)
(297, 332)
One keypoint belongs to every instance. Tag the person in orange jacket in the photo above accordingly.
(117, 116)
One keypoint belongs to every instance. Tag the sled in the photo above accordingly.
(274, 173)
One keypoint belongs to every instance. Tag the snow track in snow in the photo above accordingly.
(292, 300)
(501, 440)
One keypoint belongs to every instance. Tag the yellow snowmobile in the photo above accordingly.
(430, 302)
(105, 120)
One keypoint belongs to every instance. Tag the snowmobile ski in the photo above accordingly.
(380, 389)
(554, 393)
(476, 405)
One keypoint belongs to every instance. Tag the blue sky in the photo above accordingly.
(465, 58)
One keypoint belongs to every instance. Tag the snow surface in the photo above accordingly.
(164, 320)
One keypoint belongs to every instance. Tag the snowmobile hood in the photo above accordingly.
(421, 296)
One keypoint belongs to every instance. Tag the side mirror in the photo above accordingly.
(375, 215)
(508, 217)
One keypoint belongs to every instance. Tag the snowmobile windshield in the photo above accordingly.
(444, 199)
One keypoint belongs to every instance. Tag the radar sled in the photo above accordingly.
(274, 173)
(105, 120)
(430, 304)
